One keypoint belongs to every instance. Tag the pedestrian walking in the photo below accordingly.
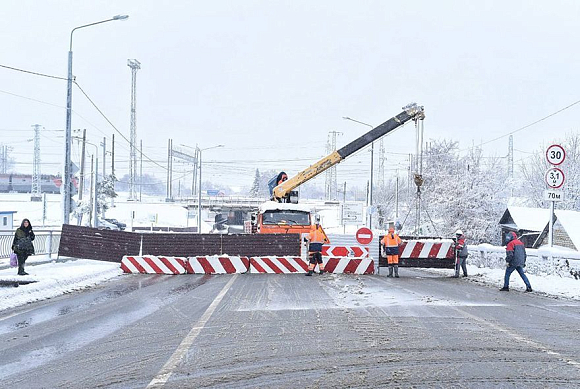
(461, 254)
(22, 244)
(391, 243)
(316, 238)
(515, 260)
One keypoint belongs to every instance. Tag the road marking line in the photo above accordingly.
(161, 378)
(522, 339)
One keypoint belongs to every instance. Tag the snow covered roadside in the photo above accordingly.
(549, 284)
(54, 279)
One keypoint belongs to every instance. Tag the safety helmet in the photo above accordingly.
(458, 232)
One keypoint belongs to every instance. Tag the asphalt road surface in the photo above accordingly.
(289, 331)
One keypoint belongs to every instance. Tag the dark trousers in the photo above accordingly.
(21, 259)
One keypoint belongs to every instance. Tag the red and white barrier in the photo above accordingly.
(290, 265)
(278, 265)
(151, 264)
(345, 251)
(217, 264)
(349, 265)
(436, 248)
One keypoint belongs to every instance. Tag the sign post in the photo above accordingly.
(555, 178)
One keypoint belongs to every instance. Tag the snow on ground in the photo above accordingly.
(52, 279)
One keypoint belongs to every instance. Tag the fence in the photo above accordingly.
(542, 261)
(109, 245)
(45, 242)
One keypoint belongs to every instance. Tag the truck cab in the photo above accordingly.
(282, 218)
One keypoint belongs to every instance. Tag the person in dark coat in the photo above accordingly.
(516, 260)
(22, 244)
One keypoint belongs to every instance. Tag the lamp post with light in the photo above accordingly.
(66, 174)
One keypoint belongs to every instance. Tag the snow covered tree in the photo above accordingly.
(255, 189)
(105, 192)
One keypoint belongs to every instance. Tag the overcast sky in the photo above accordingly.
(270, 79)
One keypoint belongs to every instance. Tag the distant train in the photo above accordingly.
(22, 183)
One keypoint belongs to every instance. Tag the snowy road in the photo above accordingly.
(422, 330)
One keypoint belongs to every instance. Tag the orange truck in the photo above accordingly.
(283, 214)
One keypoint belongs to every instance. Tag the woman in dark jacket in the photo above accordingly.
(22, 244)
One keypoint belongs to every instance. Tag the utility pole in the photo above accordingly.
(104, 144)
(82, 178)
(134, 65)
(113, 155)
(511, 158)
(169, 169)
(35, 190)
(141, 170)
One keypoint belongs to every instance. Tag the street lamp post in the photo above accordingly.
(66, 174)
(95, 220)
(372, 169)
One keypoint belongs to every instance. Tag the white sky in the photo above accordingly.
(269, 80)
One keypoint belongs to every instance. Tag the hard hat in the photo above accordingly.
(458, 232)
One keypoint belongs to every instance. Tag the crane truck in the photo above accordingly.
(283, 214)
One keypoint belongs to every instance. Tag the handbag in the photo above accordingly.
(13, 260)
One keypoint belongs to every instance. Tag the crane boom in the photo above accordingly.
(412, 111)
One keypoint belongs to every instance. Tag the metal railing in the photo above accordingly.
(45, 242)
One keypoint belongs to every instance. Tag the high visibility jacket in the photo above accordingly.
(391, 241)
(317, 235)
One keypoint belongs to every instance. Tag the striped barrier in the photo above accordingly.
(278, 265)
(151, 264)
(345, 251)
(427, 248)
(349, 265)
(217, 264)
(295, 265)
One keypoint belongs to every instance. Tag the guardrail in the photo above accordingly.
(45, 242)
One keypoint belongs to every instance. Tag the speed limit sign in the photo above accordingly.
(555, 154)
(555, 177)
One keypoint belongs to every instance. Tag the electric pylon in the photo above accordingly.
(134, 65)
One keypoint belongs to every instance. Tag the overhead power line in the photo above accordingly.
(34, 73)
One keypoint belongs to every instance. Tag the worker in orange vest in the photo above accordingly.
(316, 238)
(391, 243)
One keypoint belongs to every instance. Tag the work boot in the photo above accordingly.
(505, 289)
(322, 272)
(529, 289)
(390, 271)
(396, 271)
(309, 273)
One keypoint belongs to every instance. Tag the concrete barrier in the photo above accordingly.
(151, 264)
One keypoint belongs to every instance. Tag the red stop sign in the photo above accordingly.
(364, 235)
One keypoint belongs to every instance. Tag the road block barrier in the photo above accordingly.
(151, 264)
(349, 265)
(278, 265)
(430, 249)
(345, 251)
(217, 264)
(297, 265)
